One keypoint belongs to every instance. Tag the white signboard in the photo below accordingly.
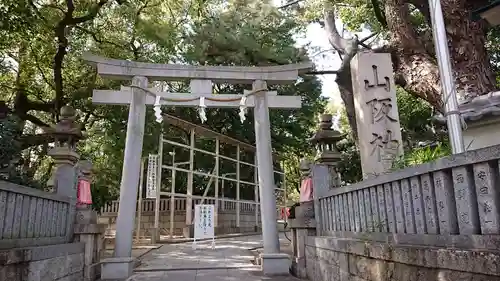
(152, 180)
(204, 223)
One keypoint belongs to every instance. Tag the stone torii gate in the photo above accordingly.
(138, 96)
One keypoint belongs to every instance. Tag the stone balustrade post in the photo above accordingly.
(302, 225)
(86, 228)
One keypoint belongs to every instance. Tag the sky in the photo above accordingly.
(325, 59)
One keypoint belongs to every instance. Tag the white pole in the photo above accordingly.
(285, 199)
(139, 204)
(447, 81)
(131, 169)
(223, 198)
(189, 201)
(265, 168)
(172, 197)
(216, 170)
(156, 236)
(256, 191)
(238, 205)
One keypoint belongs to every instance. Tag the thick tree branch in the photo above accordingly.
(96, 38)
(33, 119)
(322, 72)
(379, 13)
(27, 141)
(61, 32)
(336, 40)
(289, 4)
(90, 15)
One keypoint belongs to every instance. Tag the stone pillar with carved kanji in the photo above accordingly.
(86, 229)
(379, 129)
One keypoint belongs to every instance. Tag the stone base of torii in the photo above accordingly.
(121, 265)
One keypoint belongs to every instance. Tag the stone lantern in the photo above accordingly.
(67, 132)
(325, 140)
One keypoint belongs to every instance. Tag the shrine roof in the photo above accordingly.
(478, 108)
(126, 70)
(206, 132)
(476, 15)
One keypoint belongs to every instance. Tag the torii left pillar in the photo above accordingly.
(121, 265)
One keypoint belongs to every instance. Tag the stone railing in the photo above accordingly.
(148, 205)
(454, 196)
(30, 217)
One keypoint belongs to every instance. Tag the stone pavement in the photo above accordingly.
(231, 260)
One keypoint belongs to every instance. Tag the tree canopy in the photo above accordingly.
(42, 70)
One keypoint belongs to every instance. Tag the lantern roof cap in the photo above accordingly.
(326, 133)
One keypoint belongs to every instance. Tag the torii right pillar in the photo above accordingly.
(272, 261)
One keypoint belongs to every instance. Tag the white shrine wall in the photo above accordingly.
(226, 222)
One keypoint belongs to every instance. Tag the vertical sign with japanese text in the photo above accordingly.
(377, 118)
(151, 180)
(204, 221)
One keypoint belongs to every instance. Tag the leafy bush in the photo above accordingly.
(422, 155)
(9, 147)
(10, 154)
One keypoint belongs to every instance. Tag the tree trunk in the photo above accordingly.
(417, 71)
(467, 41)
(415, 62)
(344, 83)
(413, 53)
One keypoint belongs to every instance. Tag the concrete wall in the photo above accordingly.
(482, 134)
(63, 262)
(334, 259)
(226, 222)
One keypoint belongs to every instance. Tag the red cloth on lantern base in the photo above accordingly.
(306, 190)
(84, 196)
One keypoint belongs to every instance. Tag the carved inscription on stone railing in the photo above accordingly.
(461, 200)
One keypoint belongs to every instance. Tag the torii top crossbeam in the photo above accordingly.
(126, 70)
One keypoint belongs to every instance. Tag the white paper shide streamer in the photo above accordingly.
(157, 109)
(243, 109)
(201, 110)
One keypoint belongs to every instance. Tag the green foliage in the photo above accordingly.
(10, 154)
(415, 116)
(9, 146)
(197, 32)
(350, 163)
(416, 125)
(422, 155)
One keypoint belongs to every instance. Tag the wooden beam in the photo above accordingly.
(126, 70)
(125, 97)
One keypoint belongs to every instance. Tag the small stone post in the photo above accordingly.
(86, 228)
(302, 225)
